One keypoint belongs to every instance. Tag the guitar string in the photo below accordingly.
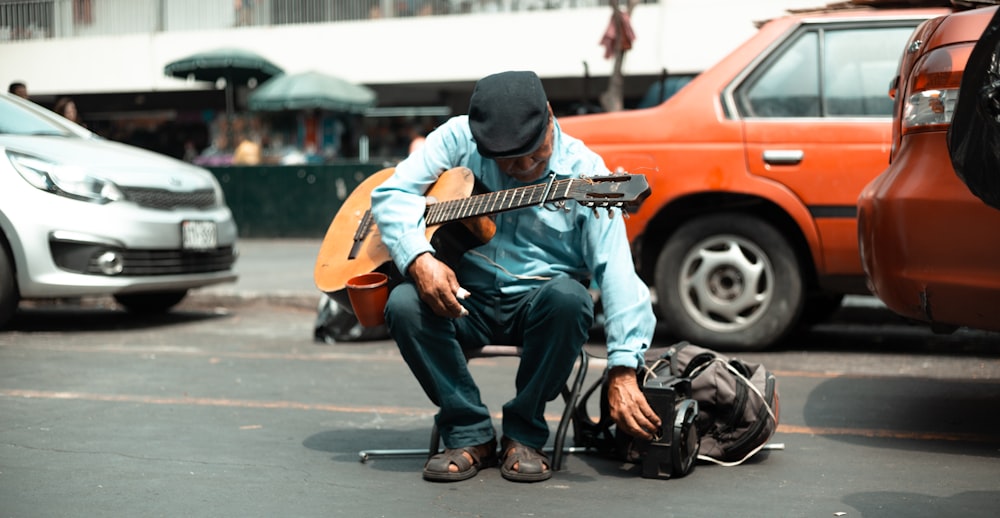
(494, 202)
(460, 209)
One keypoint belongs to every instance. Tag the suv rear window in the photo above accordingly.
(827, 72)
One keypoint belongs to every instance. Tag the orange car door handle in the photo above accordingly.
(783, 156)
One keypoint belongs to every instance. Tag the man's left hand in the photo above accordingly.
(628, 405)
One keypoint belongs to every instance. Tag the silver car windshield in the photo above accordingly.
(20, 120)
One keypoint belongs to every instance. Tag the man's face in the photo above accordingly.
(533, 166)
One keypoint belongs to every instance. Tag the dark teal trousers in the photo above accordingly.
(551, 324)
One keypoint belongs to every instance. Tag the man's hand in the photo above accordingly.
(437, 285)
(628, 405)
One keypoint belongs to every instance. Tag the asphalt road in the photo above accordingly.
(229, 408)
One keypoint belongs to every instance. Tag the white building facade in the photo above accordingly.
(81, 47)
(422, 58)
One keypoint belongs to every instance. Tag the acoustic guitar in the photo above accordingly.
(456, 219)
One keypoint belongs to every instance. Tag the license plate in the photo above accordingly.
(199, 235)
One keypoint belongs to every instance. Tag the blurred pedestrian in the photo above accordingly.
(417, 138)
(66, 107)
(247, 152)
(190, 151)
(18, 88)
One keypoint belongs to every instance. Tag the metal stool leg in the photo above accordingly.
(435, 445)
(570, 396)
(570, 393)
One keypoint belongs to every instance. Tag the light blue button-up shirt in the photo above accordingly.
(531, 244)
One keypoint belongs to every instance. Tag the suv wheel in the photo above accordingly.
(8, 288)
(729, 281)
(147, 303)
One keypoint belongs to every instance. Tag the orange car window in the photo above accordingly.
(828, 73)
(789, 85)
(857, 68)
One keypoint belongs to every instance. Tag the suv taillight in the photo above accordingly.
(933, 89)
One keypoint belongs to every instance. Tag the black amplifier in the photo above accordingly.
(674, 451)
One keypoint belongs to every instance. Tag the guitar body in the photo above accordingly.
(335, 264)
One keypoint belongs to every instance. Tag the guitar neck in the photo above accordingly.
(496, 202)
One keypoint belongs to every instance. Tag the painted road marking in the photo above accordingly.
(428, 412)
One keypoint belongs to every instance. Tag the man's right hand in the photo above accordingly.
(437, 285)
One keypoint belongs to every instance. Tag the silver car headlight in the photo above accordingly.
(68, 181)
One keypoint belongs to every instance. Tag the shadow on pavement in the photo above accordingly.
(946, 416)
(916, 505)
(346, 443)
(72, 317)
(909, 339)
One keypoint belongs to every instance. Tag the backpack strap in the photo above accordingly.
(671, 355)
(743, 368)
(698, 363)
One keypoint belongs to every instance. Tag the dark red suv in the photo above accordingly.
(929, 246)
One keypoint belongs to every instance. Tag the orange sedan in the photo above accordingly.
(930, 248)
(755, 168)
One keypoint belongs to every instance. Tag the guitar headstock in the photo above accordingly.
(625, 191)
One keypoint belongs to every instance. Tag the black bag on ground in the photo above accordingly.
(335, 322)
(736, 406)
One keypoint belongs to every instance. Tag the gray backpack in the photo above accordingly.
(737, 401)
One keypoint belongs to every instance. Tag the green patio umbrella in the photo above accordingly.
(311, 90)
(236, 66)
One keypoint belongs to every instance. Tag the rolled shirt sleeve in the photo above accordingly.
(398, 204)
(629, 322)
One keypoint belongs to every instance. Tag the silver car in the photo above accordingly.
(83, 216)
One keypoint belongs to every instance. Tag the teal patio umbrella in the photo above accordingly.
(236, 66)
(311, 91)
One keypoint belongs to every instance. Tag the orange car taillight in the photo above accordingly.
(933, 89)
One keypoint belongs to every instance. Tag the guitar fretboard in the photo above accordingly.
(495, 202)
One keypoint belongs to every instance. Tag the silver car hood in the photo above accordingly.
(122, 164)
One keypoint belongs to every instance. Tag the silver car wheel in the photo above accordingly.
(726, 283)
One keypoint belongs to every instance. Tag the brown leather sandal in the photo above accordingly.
(532, 464)
(438, 467)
